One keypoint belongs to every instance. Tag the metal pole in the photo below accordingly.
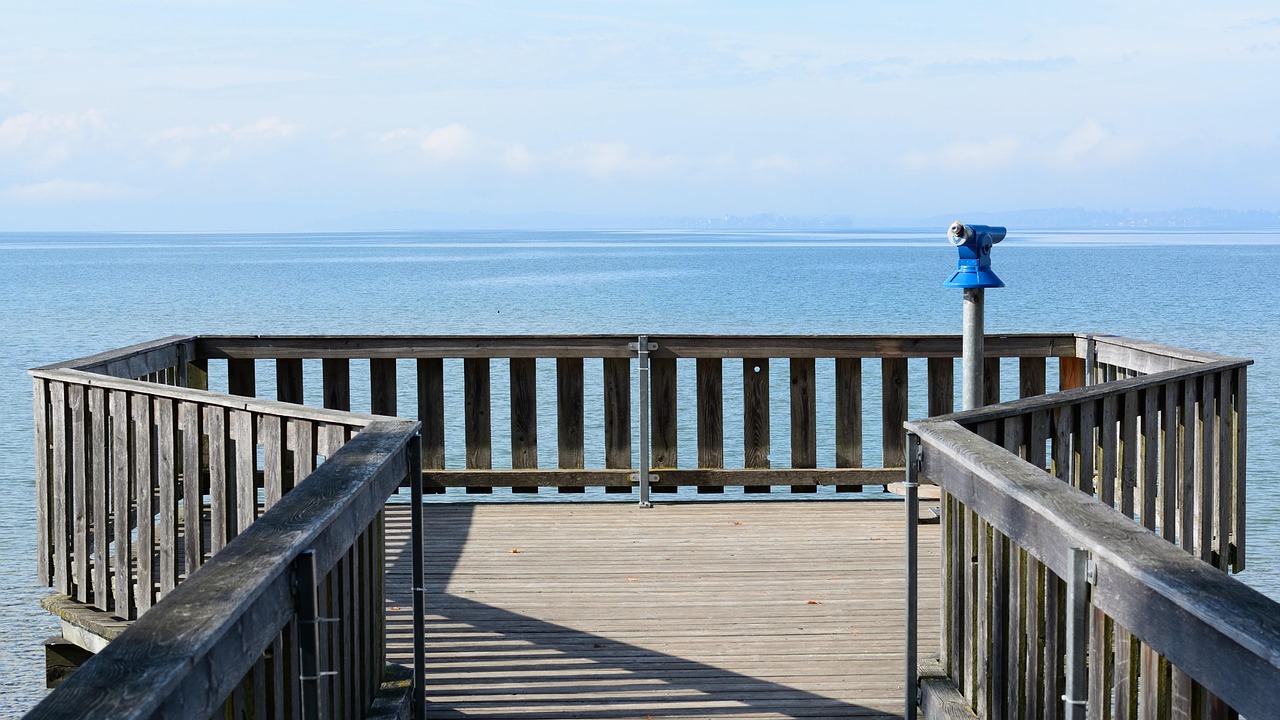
(642, 351)
(1077, 691)
(971, 363)
(304, 603)
(910, 488)
(417, 537)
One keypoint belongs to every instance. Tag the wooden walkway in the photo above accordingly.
(718, 610)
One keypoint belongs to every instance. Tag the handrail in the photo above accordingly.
(1220, 631)
(190, 651)
(135, 361)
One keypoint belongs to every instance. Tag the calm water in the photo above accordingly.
(62, 296)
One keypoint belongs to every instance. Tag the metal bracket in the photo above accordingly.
(1091, 573)
(635, 346)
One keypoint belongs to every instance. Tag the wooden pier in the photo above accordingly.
(232, 540)
(606, 610)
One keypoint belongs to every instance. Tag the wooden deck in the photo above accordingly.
(725, 610)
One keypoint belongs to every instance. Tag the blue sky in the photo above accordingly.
(191, 115)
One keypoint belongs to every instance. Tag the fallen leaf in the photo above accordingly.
(877, 538)
(632, 579)
(813, 602)
(515, 550)
(737, 522)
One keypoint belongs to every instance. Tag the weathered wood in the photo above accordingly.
(167, 455)
(60, 470)
(990, 381)
(1169, 455)
(617, 412)
(241, 378)
(1147, 357)
(941, 386)
(220, 505)
(217, 624)
(804, 414)
(244, 455)
(134, 361)
(570, 413)
(1160, 594)
(1224, 472)
(1207, 441)
(670, 477)
(849, 415)
(1187, 476)
(45, 492)
(524, 413)
(1239, 486)
(431, 411)
(79, 501)
(755, 412)
(335, 378)
(382, 386)
(476, 414)
(144, 482)
(1031, 377)
(121, 501)
(99, 481)
(193, 500)
(710, 376)
(289, 380)
(1128, 453)
(662, 413)
(1109, 431)
(1149, 489)
(893, 411)
(271, 437)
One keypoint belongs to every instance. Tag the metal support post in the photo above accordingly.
(1077, 690)
(304, 604)
(911, 490)
(642, 353)
(1090, 360)
(417, 538)
(974, 347)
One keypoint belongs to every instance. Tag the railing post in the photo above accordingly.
(911, 491)
(1090, 359)
(414, 451)
(304, 603)
(1076, 697)
(642, 347)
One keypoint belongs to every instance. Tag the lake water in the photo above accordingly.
(66, 295)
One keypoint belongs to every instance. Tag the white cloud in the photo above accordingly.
(267, 128)
(517, 159)
(452, 142)
(53, 192)
(779, 163)
(47, 139)
(602, 160)
(1088, 146)
(210, 144)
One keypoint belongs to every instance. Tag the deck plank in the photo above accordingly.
(735, 610)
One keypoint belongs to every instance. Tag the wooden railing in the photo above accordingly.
(1131, 469)
(229, 642)
(702, 391)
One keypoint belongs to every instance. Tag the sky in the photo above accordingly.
(227, 115)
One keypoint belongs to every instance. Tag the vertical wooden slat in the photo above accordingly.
(1223, 471)
(983, 630)
(570, 413)
(1126, 678)
(336, 383)
(755, 413)
(167, 478)
(382, 386)
(710, 412)
(121, 501)
(662, 413)
(1208, 440)
(1015, 658)
(245, 461)
(303, 439)
(215, 422)
(848, 417)
(144, 479)
(1033, 680)
(242, 377)
(1071, 373)
(1038, 438)
(1169, 462)
(101, 500)
(1064, 427)
(1109, 430)
(1239, 432)
(60, 490)
(289, 380)
(1054, 638)
(804, 418)
(479, 436)
(1086, 458)
(1128, 453)
(1155, 687)
(1183, 692)
(893, 411)
(197, 372)
(44, 531)
(79, 500)
(973, 604)
(1187, 475)
(431, 411)
(1150, 485)
(570, 418)
(990, 381)
(1101, 678)
(1031, 376)
(617, 415)
(269, 433)
(193, 501)
(524, 413)
(942, 390)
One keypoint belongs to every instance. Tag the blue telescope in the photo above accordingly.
(974, 243)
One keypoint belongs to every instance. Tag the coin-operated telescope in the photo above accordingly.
(974, 243)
